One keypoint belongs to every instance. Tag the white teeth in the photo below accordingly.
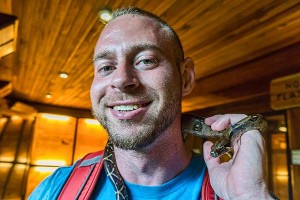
(126, 107)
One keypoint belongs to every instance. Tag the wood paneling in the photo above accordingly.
(10, 139)
(90, 137)
(245, 81)
(53, 134)
(294, 137)
(223, 37)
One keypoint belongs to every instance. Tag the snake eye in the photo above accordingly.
(197, 127)
(254, 118)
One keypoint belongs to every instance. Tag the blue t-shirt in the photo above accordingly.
(187, 185)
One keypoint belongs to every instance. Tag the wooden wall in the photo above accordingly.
(294, 138)
(32, 150)
(15, 139)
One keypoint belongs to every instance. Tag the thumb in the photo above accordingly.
(210, 161)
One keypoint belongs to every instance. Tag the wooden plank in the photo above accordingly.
(29, 30)
(6, 67)
(161, 7)
(5, 88)
(258, 104)
(6, 49)
(8, 34)
(44, 108)
(61, 37)
(216, 58)
(51, 137)
(90, 138)
(212, 29)
(293, 117)
(230, 95)
(192, 12)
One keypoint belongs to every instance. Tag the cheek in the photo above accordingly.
(165, 81)
(97, 90)
(155, 79)
(170, 79)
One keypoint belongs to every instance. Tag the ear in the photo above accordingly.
(187, 76)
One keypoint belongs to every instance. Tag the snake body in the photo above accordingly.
(113, 173)
(193, 125)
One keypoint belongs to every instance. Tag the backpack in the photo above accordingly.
(83, 179)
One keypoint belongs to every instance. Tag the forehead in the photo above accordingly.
(131, 30)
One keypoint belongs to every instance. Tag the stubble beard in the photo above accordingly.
(143, 131)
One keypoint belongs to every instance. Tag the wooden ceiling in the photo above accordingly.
(238, 46)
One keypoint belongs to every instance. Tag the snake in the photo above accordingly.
(193, 125)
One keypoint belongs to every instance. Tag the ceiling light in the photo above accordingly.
(91, 121)
(15, 118)
(50, 162)
(48, 96)
(105, 15)
(3, 120)
(45, 169)
(282, 129)
(63, 75)
(55, 117)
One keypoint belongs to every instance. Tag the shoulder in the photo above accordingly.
(50, 187)
(198, 160)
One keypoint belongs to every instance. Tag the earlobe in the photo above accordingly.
(187, 76)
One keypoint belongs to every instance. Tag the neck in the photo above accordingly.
(159, 163)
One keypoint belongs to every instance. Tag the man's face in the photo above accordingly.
(136, 91)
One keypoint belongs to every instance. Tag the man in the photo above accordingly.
(140, 77)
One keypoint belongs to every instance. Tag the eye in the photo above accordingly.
(105, 70)
(197, 127)
(146, 63)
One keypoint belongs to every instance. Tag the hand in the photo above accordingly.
(243, 176)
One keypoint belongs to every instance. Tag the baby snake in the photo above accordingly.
(194, 125)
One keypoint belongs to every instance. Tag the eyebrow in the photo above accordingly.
(134, 48)
(103, 54)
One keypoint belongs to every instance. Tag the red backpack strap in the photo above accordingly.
(207, 192)
(83, 178)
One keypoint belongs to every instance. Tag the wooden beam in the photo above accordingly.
(44, 108)
(8, 34)
(5, 88)
(258, 104)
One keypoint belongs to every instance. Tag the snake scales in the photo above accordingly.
(194, 125)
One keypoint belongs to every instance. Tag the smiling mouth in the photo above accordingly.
(124, 108)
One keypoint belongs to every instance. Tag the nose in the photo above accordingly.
(124, 79)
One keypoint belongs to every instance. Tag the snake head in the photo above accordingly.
(195, 125)
(192, 124)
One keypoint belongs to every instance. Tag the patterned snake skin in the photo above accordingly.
(193, 125)
(113, 173)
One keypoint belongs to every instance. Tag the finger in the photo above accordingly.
(236, 146)
(250, 145)
(210, 120)
(226, 120)
(210, 161)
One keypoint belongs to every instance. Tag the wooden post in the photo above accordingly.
(293, 117)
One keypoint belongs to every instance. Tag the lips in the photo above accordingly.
(128, 110)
